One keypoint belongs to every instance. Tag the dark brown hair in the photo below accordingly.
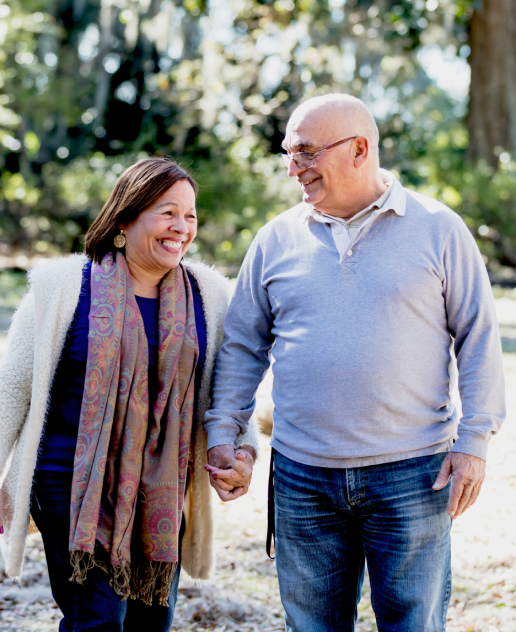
(135, 190)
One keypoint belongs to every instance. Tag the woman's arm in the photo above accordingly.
(16, 371)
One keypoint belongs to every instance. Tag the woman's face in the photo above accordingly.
(161, 235)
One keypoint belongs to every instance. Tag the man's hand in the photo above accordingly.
(467, 474)
(230, 471)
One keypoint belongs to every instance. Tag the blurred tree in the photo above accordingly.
(492, 103)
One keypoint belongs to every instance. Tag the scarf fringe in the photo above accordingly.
(151, 579)
(81, 562)
(142, 580)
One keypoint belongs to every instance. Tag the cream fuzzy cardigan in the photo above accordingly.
(34, 344)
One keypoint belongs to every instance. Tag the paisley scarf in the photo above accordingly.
(130, 466)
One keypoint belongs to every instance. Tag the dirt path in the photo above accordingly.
(244, 594)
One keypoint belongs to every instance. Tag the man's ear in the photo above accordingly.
(361, 149)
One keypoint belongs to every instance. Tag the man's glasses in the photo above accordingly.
(306, 159)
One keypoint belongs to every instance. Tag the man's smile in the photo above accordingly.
(308, 182)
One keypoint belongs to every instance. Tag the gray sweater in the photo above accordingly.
(362, 344)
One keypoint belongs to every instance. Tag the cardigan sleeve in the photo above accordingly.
(16, 371)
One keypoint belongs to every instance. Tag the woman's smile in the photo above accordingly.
(171, 245)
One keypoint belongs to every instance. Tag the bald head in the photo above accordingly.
(333, 115)
(332, 143)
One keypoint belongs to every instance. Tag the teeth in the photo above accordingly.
(173, 245)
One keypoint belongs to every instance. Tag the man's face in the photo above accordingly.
(324, 184)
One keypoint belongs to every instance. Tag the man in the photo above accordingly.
(361, 289)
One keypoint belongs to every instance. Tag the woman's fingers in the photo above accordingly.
(223, 490)
(233, 477)
(216, 482)
(227, 475)
(232, 495)
(237, 477)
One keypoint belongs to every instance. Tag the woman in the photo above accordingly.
(103, 388)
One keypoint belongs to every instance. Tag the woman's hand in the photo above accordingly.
(230, 471)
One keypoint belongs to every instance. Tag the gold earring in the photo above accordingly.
(120, 240)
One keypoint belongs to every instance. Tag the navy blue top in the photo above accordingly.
(57, 450)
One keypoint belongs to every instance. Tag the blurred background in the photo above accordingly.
(89, 86)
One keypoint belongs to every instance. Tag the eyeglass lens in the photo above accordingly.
(303, 160)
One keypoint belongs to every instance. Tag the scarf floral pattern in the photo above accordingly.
(131, 463)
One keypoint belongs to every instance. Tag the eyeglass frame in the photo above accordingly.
(313, 155)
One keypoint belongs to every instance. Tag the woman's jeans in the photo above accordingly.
(93, 605)
(329, 521)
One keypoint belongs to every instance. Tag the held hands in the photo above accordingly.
(230, 471)
(468, 474)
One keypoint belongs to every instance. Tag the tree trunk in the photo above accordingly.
(492, 97)
(103, 78)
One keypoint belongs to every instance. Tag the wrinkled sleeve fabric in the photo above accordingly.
(16, 371)
(244, 356)
(472, 322)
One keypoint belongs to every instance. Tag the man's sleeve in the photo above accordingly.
(244, 355)
(472, 322)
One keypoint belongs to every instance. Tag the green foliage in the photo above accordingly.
(484, 197)
(88, 88)
(431, 159)
(13, 285)
(235, 201)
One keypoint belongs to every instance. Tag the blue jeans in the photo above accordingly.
(329, 521)
(93, 605)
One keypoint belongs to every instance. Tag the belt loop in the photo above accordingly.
(271, 524)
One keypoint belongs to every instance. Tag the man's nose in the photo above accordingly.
(293, 169)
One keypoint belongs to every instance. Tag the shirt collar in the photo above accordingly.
(394, 199)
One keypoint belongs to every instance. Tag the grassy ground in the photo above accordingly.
(244, 594)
